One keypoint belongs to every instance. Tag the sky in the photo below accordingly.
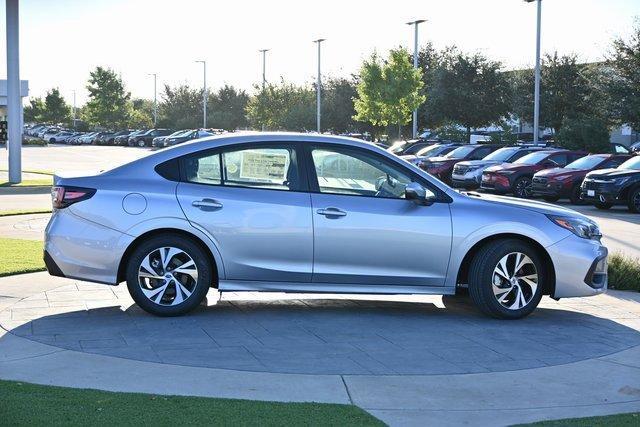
(61, 41)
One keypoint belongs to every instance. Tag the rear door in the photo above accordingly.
(250, 199)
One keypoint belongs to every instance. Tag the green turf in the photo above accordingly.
(20, 256)
(619, 420)
(29, 183)
(24, 212)
(25, 404)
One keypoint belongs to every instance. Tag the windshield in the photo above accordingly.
(179, 133)
(430, 150)
(532, 159)
(501, 155)
(460, 152)
(587, 162)
(397, 147)
(633, 163)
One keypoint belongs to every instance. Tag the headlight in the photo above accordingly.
(580, 227)
(473, 168)
(622, 180)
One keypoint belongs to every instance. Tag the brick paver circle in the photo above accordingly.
(299, 334)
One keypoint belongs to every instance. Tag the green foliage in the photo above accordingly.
(337, 105)
(617, 420)
(624, 272)
(388, 91)
(282, 106)
(37, 405)
(624, 79)
(109, 103)
(53, 109)
(181, 108)
(584, 133)
(226, 108)
(34, 111)
(470, 90)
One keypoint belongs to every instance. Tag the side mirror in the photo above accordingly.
(419, 194)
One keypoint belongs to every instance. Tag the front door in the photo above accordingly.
(365, 231)
(248, 200)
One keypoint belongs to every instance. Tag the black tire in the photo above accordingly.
(603, 206)
(481, 274)
(574, 197)
(551, 199)
(52, 140)
(142, 144)
(198, 292)
(523, 187)
(633, 201)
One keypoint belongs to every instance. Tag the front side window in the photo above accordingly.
(267, 168)
(358, 174)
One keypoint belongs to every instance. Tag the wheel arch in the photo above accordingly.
(122, 267)
(548, 286)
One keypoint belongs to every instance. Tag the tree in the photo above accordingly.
(34, 111)
(388, 91)
(56, 109)
(624, 82)
(337, 104)
(283, 106)
(584, 133)
(108, 104)
(226, 108)
(141, 113)
(180, 108)
(469, 90)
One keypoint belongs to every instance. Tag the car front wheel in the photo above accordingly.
(634, 200)
(168, 275)
(523, 187)
(506, 278)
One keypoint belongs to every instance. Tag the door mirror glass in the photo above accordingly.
(419, 194)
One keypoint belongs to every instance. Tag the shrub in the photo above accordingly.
(624, 272)
(587, 134)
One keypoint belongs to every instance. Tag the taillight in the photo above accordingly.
(62, 197)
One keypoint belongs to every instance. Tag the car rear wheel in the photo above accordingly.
(168, 275)
(634, 200)
(523, 187)
(506, 278)
(141, 143)
(574, 197)
(603, 206)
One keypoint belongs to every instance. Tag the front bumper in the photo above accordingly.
(467, 180)
(549, 189)
(580, 267)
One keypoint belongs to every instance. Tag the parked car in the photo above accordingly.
(58, 138)
(442, 167)
(87, 138)
(517, 177)
(554, 184)
(635, 148)
(608, 187)
(617, 148)
(124, 139)
(49, 133)
(468, 174)
(159, 141)
(410, 147)
(186, 136)
(73, 139)
(144, 139)
(434, 150)
(107, 138)
(209, 214)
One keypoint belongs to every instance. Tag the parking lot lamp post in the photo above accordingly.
(318, 87)
(14, 143)
(155, 98)
(415, 24)
(536, 90)
(74, 110)
(264, 72)
(204, 95)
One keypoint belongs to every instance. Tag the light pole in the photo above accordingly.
(318, 87)
(415, 65)
(204, 96)
(14, 100)
(155, 98)
(536, 90)
(264, 72)
(74, 110)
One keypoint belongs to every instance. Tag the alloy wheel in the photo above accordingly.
(523, 188)
(515, 280)
(636, 200)
(167, 276)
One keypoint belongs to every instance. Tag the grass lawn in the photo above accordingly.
(20, 256)
(620, 420)
(24, 212)
(29, 182)
(30, 404)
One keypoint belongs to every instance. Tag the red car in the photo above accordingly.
(442, 167)
(517, 177)
(556, 183)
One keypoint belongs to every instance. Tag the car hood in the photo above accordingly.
(485, 163)
(531, 205)
(612, 173)
(556, 172)
(508, 166)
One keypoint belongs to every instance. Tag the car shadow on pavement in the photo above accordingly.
(336, 336)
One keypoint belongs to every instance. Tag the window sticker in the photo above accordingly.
(260, 165)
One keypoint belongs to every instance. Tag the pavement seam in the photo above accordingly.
(346, 387)
(617, 363)
(34, 356)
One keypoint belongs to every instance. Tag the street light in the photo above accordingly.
(74, 110)
(415, 65)
(264, 66)
(155, 98)
(204, 96)
(536, 94)
(318, 87)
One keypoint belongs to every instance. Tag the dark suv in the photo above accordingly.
(553, 184)
(517, 177)
(605, 188)
(145, 139)
(442, 167)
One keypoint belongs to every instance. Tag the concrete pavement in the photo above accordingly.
(66, 332)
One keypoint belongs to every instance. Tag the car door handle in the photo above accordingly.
(331, 212)
(205, 204)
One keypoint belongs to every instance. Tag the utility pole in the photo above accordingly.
(204, 96)
(74, 110)
(536, 94)
(14, 100)
(155, 98)
(415, 24)
(318, 87)
(264, 72)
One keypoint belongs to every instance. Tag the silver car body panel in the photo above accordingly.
(274, 240)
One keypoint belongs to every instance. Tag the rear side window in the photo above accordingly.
(518, 154)
(559, 159)
(481, 153)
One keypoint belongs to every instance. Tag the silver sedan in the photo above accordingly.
(292, 212)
